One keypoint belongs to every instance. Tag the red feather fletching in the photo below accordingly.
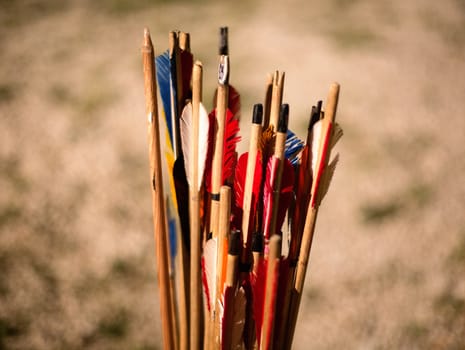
(239, 186)
(231, 138)
(234, 103)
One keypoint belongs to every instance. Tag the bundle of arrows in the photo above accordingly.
(233, 232)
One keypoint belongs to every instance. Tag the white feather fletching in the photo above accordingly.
(209, 256)
(187, 137)
(316, 140)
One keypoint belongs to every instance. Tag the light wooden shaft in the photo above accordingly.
(332, 101)
(271, 285)
(214, 216)
(196, 100)
(195, 277)
(158, 206)
(279, 145)
(222, 252)
(276, 98)
(312, 212)
(231, 278)
(181, 292)
(217, 162)
(249, 180)
(231, 272)
(257, 256)
(301, 271)
(185, 41)
(278, 153)
(267, 101)
(223, 232)
(194, 216)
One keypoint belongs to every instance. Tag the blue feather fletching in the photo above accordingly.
(172, 237)
(164, 83)
(292, 147)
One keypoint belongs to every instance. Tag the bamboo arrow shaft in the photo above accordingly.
(194, 215)
(217, 162)
(249, 182)
(269, 304)
(221, 108)
(301, 271)
(276, 98)
(279, 153)
(158, 205)
(222, 254)
(312, 211)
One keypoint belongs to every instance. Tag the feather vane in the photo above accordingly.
(239, 186)
(186, 136)
(323, 149)
(293, 146)
(164, 88)
(209, 272)
(231, 138)
(234, 102)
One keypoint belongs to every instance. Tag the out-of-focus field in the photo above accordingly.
(77, 266)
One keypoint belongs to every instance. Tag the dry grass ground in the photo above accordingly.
(76, 249)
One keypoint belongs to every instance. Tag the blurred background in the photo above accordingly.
(77, 265)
